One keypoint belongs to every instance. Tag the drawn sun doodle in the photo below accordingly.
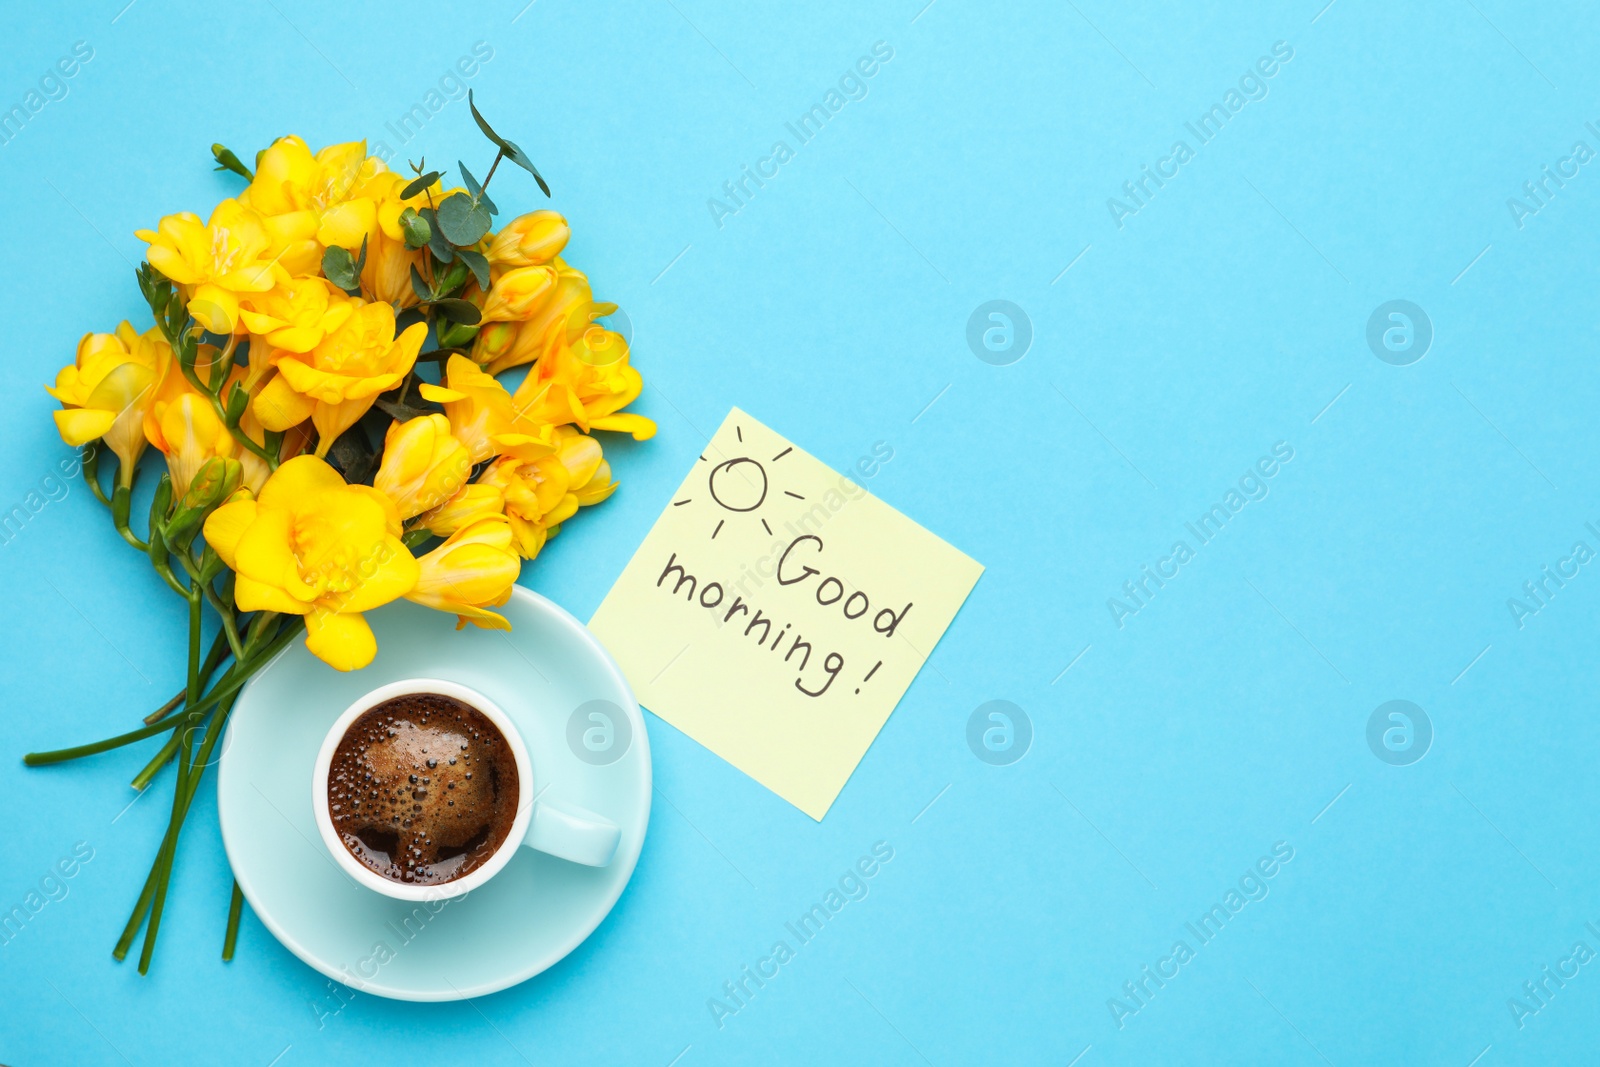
(740, 485)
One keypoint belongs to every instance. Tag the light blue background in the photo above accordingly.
(1223, 318)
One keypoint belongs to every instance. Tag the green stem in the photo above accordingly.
(152, 897)
(217, 405)
(230, 683)
(487, 178)
(136, 920)
(235, 910)
(164, 858)
(214, 658)
(121, 504)
(62, 755)
(190, 774)
(91, 473)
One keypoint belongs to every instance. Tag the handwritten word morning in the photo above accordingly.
(828, 590)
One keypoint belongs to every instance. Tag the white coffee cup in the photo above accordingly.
(544, 824)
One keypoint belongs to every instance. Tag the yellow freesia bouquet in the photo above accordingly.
(312, 473)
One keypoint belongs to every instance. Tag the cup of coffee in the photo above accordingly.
(425, 783)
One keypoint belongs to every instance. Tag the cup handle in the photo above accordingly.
(572, 833)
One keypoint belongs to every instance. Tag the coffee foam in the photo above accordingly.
(423, 789)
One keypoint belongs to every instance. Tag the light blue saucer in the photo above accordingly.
(570, 702)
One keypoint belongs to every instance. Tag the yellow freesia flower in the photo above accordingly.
(423, 465)
(109, 389)
(585, 380)
(529, 240)
(321, 196)
(296, 314)
(545, 487)
(503, 345)
(479, 408)
(337, 381)
(470, 502)
(387, 275)
(217, 262)
(311, 545)
(518, 293)
(191, 433)
(474, 569)
(183, 425)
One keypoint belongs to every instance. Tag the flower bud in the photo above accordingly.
(217, 478)
(494, 341)
(531, 240)
(518, 293)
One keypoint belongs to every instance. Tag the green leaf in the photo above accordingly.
(478, 195)
(404, 412)
(520, 158)
(343, 269)
(437, 244)
(420, 286)
(226, 160)
(479, 264)
(513, 153)
(420, 183)
(463, 222)
(414, 228)
(462, 311)
(353, 455)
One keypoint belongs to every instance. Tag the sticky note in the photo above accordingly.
(777, 612)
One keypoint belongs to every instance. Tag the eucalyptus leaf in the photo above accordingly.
(414, 228)
(479, 263)
(353, 455)
(462, 311)
(419, 285)
(437, 243)
(343, 269)
(520, 158)
(478, 195)
(462, 221)
(513, 153)
(404, 412)
(420, 183)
